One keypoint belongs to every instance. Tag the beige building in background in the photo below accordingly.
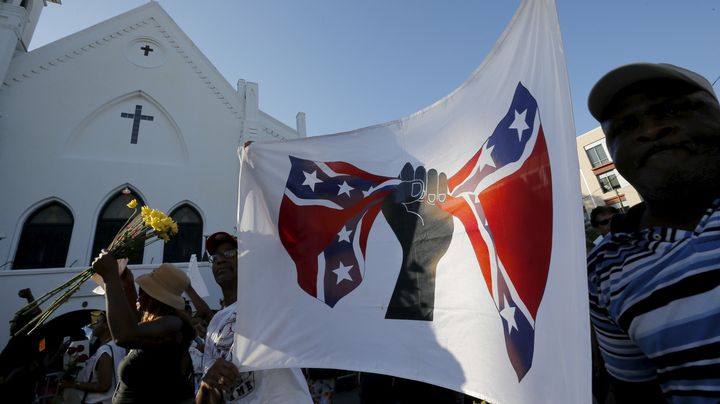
(600, 182)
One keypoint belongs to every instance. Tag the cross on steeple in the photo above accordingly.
(147, 49)
(136, 117)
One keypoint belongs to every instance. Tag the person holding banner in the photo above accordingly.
(654, 282)
(223, 382)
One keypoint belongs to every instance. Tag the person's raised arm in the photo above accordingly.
(122, 317)
(128, 284)
(201, 306)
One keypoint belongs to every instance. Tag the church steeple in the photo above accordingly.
(18, 19)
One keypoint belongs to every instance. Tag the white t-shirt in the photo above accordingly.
(271, 386)
(89, 374)
(197, 361)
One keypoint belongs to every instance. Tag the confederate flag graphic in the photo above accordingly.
(502, 196)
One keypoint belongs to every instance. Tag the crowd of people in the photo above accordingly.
(159, 342)
(653, 282)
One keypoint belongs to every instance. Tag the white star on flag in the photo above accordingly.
(311, 179)
(345, 189)
(508, 313)
(344, 235)
(519, 123)
(343, 272)
(486, 157)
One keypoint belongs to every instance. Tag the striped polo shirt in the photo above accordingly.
(655, 305)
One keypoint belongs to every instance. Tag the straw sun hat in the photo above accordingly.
(166, 284)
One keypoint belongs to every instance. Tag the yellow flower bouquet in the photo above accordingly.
(139, 230)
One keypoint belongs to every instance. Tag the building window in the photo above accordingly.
(609, 181)
(597, 155)
(189, 239)
(112, 218)
(45, 238)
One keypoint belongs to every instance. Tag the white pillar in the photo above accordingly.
(12, 22)
(251, 130)
(592, 199)
(300, 124)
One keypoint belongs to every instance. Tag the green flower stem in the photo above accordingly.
(30, 306)
(40, 319)
(135, 233)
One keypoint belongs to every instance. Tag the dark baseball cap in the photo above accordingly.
(622, 77)
(215, 239)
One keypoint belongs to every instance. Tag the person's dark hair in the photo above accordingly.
(153, 308)
(156, 308)
(599, 211)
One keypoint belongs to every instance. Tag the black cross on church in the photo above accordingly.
(147, 49)
(136, 117)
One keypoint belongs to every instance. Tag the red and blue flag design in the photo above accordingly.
(325, 218)
(503, 197)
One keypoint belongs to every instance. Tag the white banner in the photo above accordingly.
(445, 247)
(196, 279)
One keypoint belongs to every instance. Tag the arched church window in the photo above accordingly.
(189, 239)
(45, 238)
(111, 219)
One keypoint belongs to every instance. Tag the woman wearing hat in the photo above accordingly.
(155, 329)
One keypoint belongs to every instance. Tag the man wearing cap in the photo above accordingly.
(654, 282)
(223, 382)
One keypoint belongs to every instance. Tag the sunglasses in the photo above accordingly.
(226, 254)
(602, 222)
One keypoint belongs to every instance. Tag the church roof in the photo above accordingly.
(149, 22)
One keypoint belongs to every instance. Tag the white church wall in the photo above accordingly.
(34, 9)
(62, 134)
(80, 150)
(13, 19)
(276, 130)
(67, 112)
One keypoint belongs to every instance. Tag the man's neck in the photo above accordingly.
(229, 295)
(683, 213)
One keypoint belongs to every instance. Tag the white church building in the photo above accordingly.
(128, 108)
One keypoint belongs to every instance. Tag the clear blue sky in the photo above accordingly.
(350, 63)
